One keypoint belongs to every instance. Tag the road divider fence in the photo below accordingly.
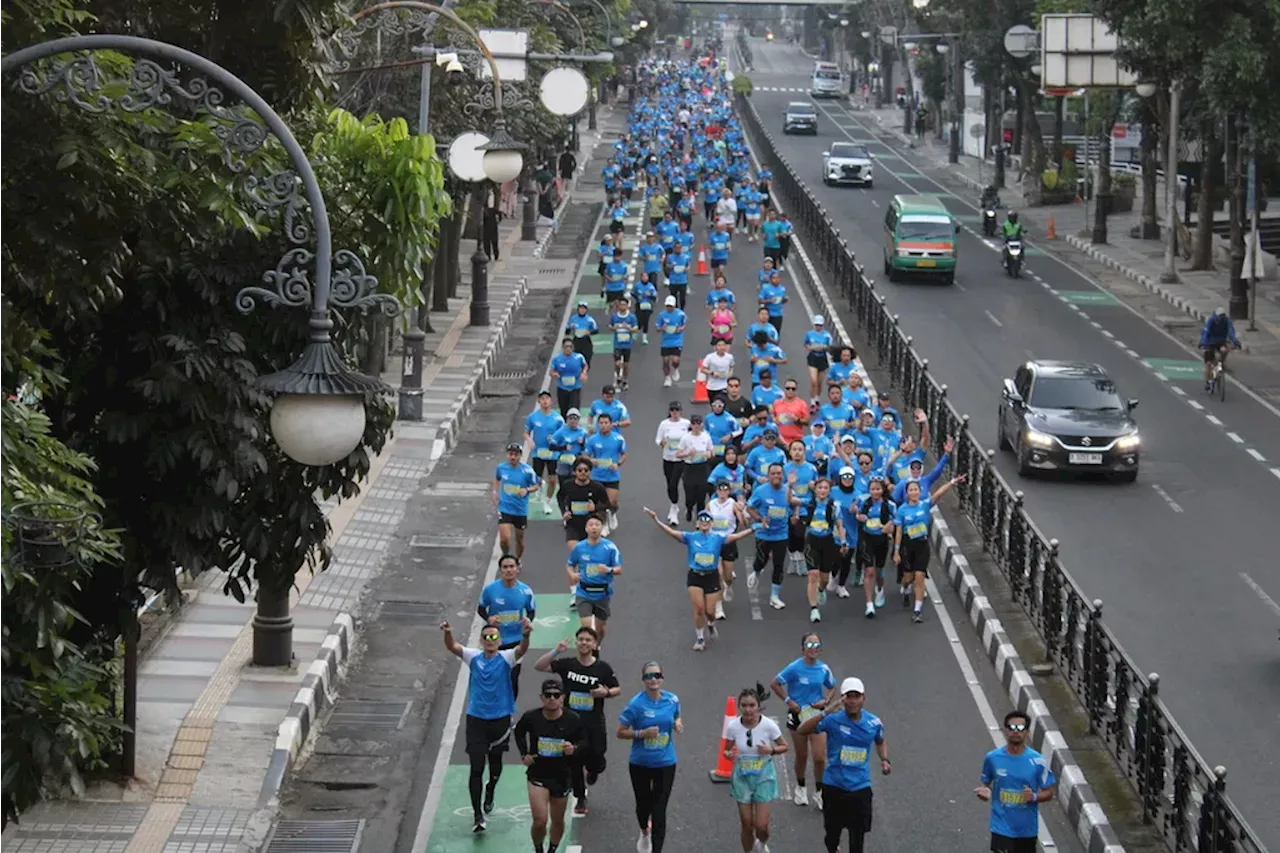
(1182, 796)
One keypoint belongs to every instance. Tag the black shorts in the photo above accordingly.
(519, 522)
(1006, 844)
(1209, 353)
(708, 582)
(616, 227)
(575, 529)
(588, 608)
(626, 192)
(666, 351)
(719, 263)
(818, 360)
(774, 252)
(486, 736)
(846, 810)
(872, 551)
(623, 355)
(544, 467)
(729, 552)
(915, 557)
(557, 786)
(614, 295)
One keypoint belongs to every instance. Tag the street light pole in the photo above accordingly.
(1170, 275)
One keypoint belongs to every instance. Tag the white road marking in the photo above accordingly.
(1095, 324)
(1276, 471)
(1175, 389)
(1213, 419)
(992, 318)
(1195, 404)
(1256, 455)
(1260, 592)
(875, 203)
(1131, 353)
(1173, 505)
(960, 287)
(1108, 334)
(1120, 343)
(1237, 439)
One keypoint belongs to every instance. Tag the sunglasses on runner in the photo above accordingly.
(651, 676)
(491, 637)
(788, 388)
(1017, 727)
(749, 743)
(552, 695)
(812, 644)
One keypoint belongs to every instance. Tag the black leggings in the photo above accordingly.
(652, 787)
(680, 292)
(475, 782)
(776, 550)
(643, 317)
(586, 347)
(844, 566)
(672, 471)
(795, 537)
(568, 398)
(695, 485)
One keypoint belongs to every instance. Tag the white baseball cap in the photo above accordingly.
(670, 300)
(819, 320)
(851, 685)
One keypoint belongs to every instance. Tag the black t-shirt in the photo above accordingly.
(573, 499)
(579, 680)
(545, 740)
(739, 408)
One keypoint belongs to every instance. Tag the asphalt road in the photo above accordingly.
(1185, 559)
(916, 683)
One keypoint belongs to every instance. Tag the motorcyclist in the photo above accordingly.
(1218, 330)
(990, 197)
(1011, 227)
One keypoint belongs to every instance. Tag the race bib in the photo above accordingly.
(720, 524)
(808, 712)
(801, 489)
(581, 701)
(777, 512)
(550, 747)
(819, 526)
(513, 490)
(852, 756)
(567, 458)
(646, 306)
(873, 524)
(659, 741)
(762, 362)
(704, 559)
(670, 330)
(723, 328)
(579, 507)
(777, 300)
(718, 449)
(597, 571)
(622, 337)
(582, 333)
(750, 766)
(546, 453)
(568, 381)
(915, 531)
(673, 444)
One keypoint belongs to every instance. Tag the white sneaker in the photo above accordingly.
(879, 596)
(776, 603)
(831, 585)
(613, 520)
(719, 610)
(842, 592)
(728, 593)
(675, 375)
(753, 580)
(644, 339)
(817, 799)
(673, 515)
(644, 844)
(871, 610)
(801, 798)
(666, 382)
(573, 592)
(815, 615)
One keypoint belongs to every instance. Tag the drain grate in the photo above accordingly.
(316, 836)
(442, 540)
(452, 489)
(554, 271)
(370, 716)
(412, 612)
(511, 377)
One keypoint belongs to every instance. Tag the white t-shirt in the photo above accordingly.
(726, 211)
(714, 363)
(749, 758)
(668, 438)
(701, 446)
(724, 519)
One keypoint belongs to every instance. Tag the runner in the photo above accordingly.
(730, 471)
(874, 514)
(722, 427)
(581, 498)
(703, 558)
(817, 342)
(851, 733)
(824, 530)
(911, 524)
(593, 564)
(727, 517)
(490, 704)
(753, 740)
(1015, 780)
(569, 369)
(671, 323)
(668, 437)
(506, 603)
(625, 326)
(610, 405)
(513, 482)
(800, 475)
(651, 721)
(581, 327)
(607, 451)
(588, 681)
(806, 685)
(769, 508)
(696, 451)
(549, 739)
(677, 272)
(539, 427)
(646, 294)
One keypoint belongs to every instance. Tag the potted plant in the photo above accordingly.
(742, 85)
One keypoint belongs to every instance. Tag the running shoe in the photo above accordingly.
(489, 791)
(906, 596)
(675, 375)
(592, 777)
(713, 631)
(842, 592)
(801, 798)
(644, 844)
(815, 615)
(753, 580)
(879, 596)
(666, 382)
(673, 515)
(699, 645)
(613, 520)
(831, 585)
(719, 611)
(822, 598)
(644, 339)
(580, 807)
(776, 603)
(871, 611)
(917, 616)
(728, 595)
(479, 827)
(817, 799)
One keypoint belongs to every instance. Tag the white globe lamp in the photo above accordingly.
(317, 429)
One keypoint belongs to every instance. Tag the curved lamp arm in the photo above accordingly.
(582, 36)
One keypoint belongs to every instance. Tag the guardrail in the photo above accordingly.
(1180, 793)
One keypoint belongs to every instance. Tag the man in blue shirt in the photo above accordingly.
(539, 426)
(677, 271)
(593, 563)
(505, 603)
(846, 783)
(569, 370)
(513, 482)
(607, 451)
(490, 704)
(1015, 780)
(671, 324)
(770, 507)
(1218, 331)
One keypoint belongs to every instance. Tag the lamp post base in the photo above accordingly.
(953, 146)
(479, 288)
(529, 219)
(272, 629)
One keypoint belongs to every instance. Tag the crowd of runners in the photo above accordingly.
(819, 475)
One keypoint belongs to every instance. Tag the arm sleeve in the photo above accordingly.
(469, 654)
(509, 655)
(522, 735)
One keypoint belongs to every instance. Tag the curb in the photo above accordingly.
(1084, 812)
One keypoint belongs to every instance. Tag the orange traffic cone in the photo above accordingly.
(724, 767)
(700, 386)
(1052, 233)
(702, 262)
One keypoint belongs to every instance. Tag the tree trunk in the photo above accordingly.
(1235, 202)
(1150, 160)
(1212, 143)
(1059, 116)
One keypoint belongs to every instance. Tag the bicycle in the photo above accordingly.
(1217, 373)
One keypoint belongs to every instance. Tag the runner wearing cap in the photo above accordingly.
(1015, 780)
(580, 328)
(851, 733)
(646, 295)
(806, 685)
(513, 482)
(773, 296)
(567, 442)
(569, 370)
(580, 498)
(549, 739)
(610, 405)
(696, 451)
(703, 547)
(911, 524)
(490, 704)
(722, 427)
(592, 565)
(506, 603)
(670, 431)
(845, 496)
(677, 272)
(625, 325)
(539, 427)
(671, 323)
(616, 273)
(718, 367)
(753, 739)
(766, 357)
(761, 457)
(817, 343)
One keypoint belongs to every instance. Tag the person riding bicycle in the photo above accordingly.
(1217, 332)
(1011, 227)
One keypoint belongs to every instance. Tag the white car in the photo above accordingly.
(847, 163)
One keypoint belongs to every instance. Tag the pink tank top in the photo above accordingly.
(721, 324)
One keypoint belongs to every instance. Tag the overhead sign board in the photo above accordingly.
(1079, 51)
(506, 43)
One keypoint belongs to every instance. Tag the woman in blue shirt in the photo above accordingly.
(729, 471)
(581, 327)
(844, 366)
(911, 541)
(806, 686)
(816, 343)
(651, 721)
(569, 370)
(874, 513)
(646, 294)
(823, 533)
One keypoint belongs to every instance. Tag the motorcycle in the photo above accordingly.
(989, 221)
(1013, 257)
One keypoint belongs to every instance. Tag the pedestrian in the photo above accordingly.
(593, 563)
(568, 164)
(851, 733)
(513, 482)
(588, 681)
(492, 216)
(651, 721)
(549, 739)
(490, 704)
(505, 603)
(1015, 780)
(753, 740)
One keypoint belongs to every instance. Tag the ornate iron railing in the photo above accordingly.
(1181, 795)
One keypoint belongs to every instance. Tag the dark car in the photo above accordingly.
(1068, 416)
(800, 117)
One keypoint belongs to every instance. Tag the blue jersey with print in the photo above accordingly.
(849, 746)
(768, 328)
(847, 502)
(720, 245)
(901, 469)
(818, 448)
(806, 683)
(773, 296)
(568, 442)
(771, 232)
(721, 428)
(652, 254)
(733, 476)
(646, 294)
(875, 512)
(702, 550)
(592, 563)
(714, 296)
(762, 396)
(569, 369)
(617, 411)
(926, 482)
(771, 504)
(513, 480)
(489, 695)
(667, 231)
(671, 323)
(605, 452)
(615, 276)
(1007, 775)
(582, 325)
(760, 458)
(804, 474)
(817, 521)
(839, 372)
(685, 240)
(818, 341)
(678, 268)
(541, 426)
(509, 604)
(624, 329)
(760, 360)
(914, 519)
(837, 416)
(644, 712)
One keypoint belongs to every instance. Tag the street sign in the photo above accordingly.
(1021, 41)
(889, 35)
(977, 131)
(506, 43)
(1080, 51)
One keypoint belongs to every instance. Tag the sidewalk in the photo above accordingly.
(217, 736)
(1197, 294)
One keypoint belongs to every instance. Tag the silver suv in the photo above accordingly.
(800, 117)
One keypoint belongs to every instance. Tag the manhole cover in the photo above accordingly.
(370, 716)
(316, 836)
(412, 612)
(442, 540)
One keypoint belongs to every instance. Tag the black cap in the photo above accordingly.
(552, 684)
(675, 404)
(695, 419)
(513, 446)
(608, 389)
(770, 434)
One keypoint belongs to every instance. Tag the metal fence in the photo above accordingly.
(1180, 793)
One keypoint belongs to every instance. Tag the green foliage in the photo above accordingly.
(932, 68)
(742, 85)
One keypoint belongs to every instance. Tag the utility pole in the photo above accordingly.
(1170, 275)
